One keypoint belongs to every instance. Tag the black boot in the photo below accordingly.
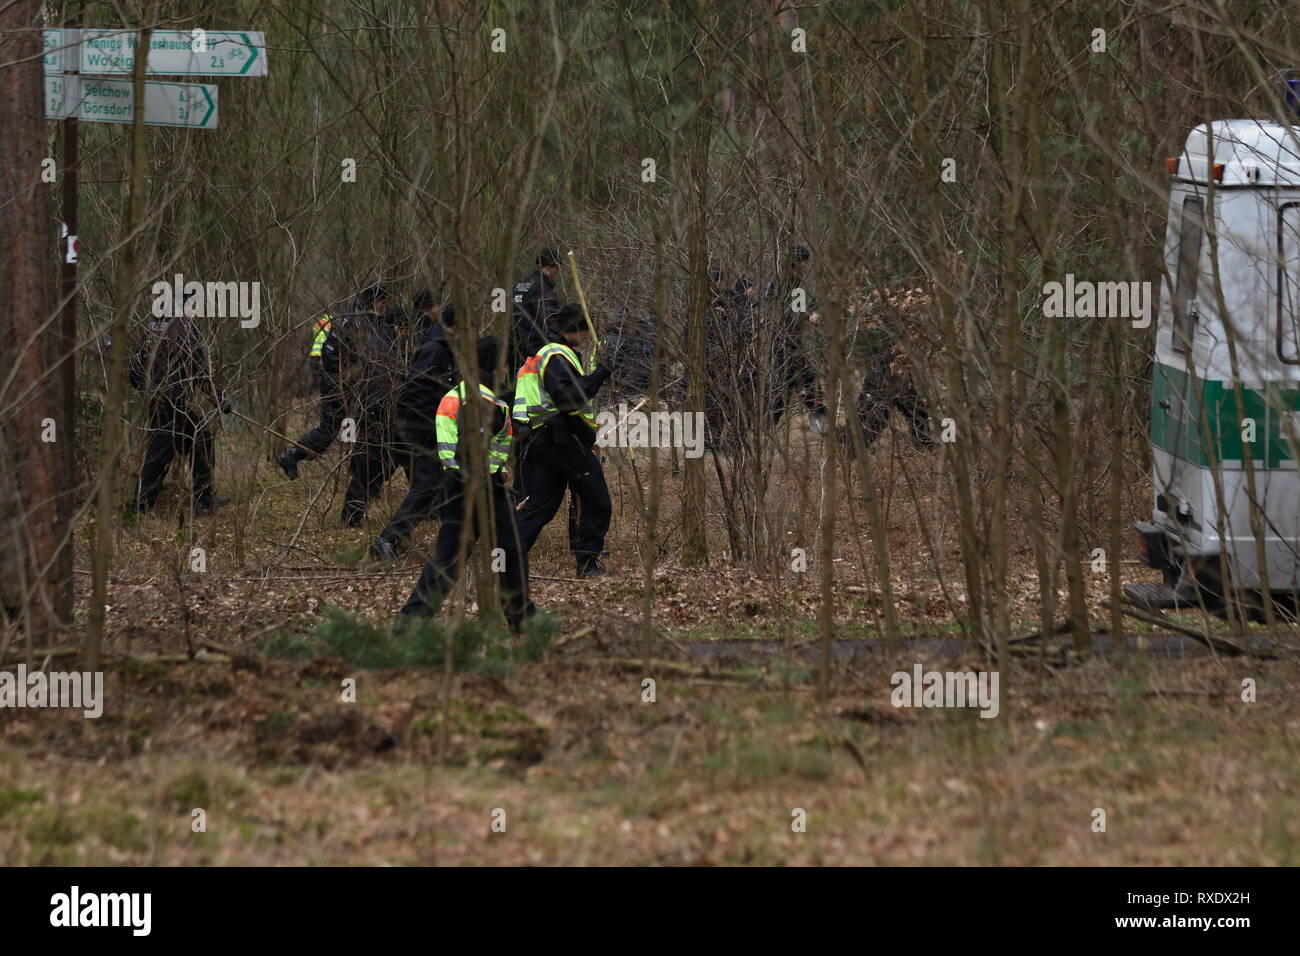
(385, 549)
(208, 505)
(136, 508)
(288, 462)
(516, 619)
(589, 566)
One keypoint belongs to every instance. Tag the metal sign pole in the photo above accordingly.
(68, 319)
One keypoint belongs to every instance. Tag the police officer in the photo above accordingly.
(887, 385)
(431, 376)
(372, 357)
(171, 367)
(426, 314)
(535, 302)
(371, 301)
(732, 343)
(555, 396)
(792, 372)
(632, 344)
(453, 450)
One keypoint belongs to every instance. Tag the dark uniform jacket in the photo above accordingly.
(535, 303)
(363, 355)
(787, 325)
(432, 375)
(633, 346)
(570, 391)
(170, 366)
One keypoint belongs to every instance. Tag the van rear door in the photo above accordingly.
(1178, 413)
(1281, 480)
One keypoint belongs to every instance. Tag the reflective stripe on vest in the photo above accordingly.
(448, 430)
(545, 406)
(322, 331)
(528, 401)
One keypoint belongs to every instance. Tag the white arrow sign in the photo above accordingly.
(189, 52)
(99, 100)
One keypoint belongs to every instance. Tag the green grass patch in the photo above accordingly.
(12, 798)
(476, 647)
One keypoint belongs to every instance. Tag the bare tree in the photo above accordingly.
(35, 554)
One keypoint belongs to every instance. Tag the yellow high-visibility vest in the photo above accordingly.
(322, 331)
(528, 401)
(448, 430)
(545, 407)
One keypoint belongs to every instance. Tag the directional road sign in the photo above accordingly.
(188, 52)
(60, 50)
(171, 52)
(100, 100)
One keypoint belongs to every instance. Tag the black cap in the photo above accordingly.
(569, 318)
(423, 300)
(550, 256)
(448, 315)
(367, 297)
(485, 358)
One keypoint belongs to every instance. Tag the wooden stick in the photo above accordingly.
(582, 300)
(267, 428)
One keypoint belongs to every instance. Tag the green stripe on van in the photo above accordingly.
(1179, 430)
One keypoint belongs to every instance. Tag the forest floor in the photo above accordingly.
(527, 757)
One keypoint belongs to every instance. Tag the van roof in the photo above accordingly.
(1253, 153)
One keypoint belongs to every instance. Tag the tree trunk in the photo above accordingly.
(35, 553)
(695, 542)
(113, 439)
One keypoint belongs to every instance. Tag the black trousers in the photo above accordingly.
(555, 460)
(331, 420)
(794, 375)
(726, 410)
(879, 396)
(427, 476)
(377, 453)
(176, 430)
(522, 434)
(442, 572)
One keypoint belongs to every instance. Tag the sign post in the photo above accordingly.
(68, 313)
(79, 65)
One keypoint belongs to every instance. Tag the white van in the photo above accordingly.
(1246, 231)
